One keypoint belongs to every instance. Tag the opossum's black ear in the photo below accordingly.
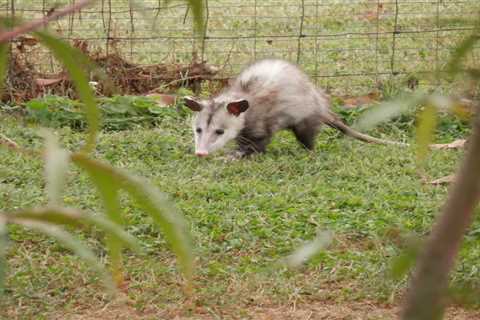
(193, 104)
(237, 107)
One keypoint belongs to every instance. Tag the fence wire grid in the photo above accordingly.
(346, 46)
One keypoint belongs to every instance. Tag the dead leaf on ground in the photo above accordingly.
(373, 15)
(163, 100)
(47, 82)
(118, 76)
(457, 144)
(444, 180)
(464, 108)
(8, 142)
(27, 41)
(353, 102)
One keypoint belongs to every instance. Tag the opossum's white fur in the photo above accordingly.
(208, 141)
(279, 96)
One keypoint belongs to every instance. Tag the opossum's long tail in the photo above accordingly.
(335, 122)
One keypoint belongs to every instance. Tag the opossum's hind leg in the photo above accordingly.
(248, 145)
(305, 132)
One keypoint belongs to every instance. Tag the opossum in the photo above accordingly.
(268, 96)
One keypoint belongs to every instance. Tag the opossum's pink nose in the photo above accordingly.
(201, 153)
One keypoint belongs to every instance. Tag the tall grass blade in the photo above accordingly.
(3, 252)
(198, 8)
(4, 49)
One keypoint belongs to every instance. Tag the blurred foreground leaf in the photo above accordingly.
(75, 218)
(56, 166)
(405, 260)
(388, 110)
(427, 122)
(150, 200)
(309, 250)
(75, 62)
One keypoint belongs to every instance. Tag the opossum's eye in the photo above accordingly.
(199, 130)
(219, 131)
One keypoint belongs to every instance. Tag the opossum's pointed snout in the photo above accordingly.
(201, 154)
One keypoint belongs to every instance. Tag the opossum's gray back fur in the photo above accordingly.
(279, 94)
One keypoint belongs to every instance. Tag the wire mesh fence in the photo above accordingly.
(347, 46)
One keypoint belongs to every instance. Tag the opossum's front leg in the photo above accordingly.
(248, 145)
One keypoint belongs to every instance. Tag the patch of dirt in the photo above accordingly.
(348, 311)
(328, 310)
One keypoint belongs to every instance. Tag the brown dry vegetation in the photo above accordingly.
(114, 74)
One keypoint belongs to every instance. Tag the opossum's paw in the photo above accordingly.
(229, 158)
(234, 156)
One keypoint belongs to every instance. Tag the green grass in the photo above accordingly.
(244, 216)
(341, 50)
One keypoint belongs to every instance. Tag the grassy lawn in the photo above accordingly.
(345, 47)
(244, 216)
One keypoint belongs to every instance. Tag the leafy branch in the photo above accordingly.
(428, 286)
(430, 281)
